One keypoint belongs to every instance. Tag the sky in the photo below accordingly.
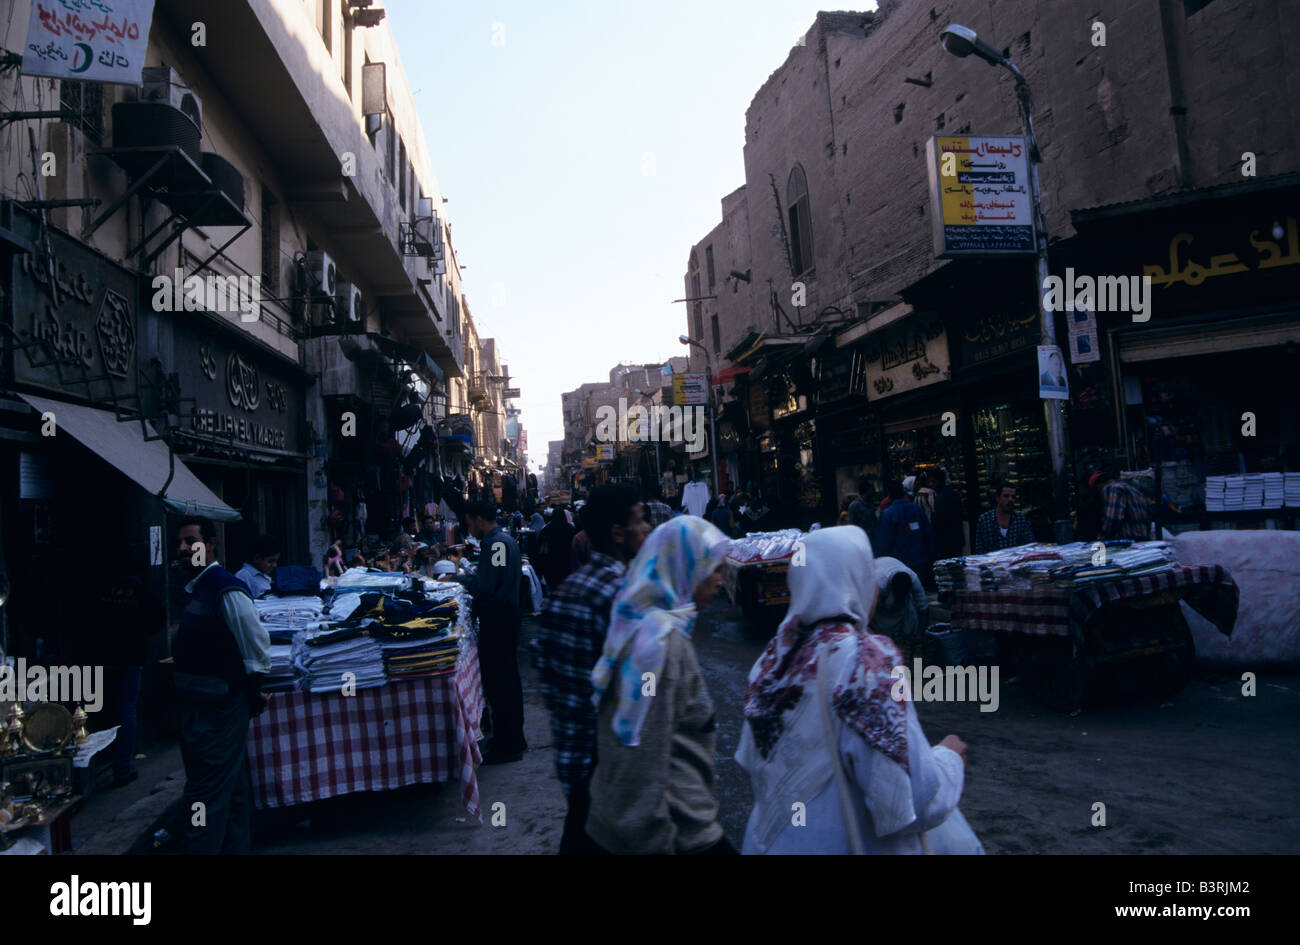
(583, 149)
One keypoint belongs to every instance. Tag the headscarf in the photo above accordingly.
(909, 485)
(831, 597)
(830, 603)
(655, 600)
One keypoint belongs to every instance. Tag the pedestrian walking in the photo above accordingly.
(946, 519)
(823, 732)
(904, 533)
(221, 653)
(569, 643)
(1125, 513)
(656, 734)
(555, 549)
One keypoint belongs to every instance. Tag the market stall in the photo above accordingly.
(1069, 614)
(758, 578)
(378, 688)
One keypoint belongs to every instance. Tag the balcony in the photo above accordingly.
(478, 391)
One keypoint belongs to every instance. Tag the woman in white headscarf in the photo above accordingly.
(656, 736)
(895, 786)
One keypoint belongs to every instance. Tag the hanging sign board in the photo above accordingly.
(981, 199)
(103, 41)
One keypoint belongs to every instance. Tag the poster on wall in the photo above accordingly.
(1052, 384)
(1083, 335)
(103, 41)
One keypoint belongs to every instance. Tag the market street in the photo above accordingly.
(1211, 773)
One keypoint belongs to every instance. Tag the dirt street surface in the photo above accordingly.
(1209, 771)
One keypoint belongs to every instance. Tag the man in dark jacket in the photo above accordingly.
(495, 586)
(949, 537)
(904, 533)
(862, 511)
(221, 653)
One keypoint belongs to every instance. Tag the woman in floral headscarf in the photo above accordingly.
(652, 787)
(895, 785)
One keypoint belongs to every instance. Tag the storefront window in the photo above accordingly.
(1011, 444)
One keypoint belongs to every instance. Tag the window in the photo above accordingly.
(401, 173)
(796, 198)
(270, 243)
(392, 146)
(708, 260)
(323, 24)
(697, 308)
(83, 102)
(347, 59)
(717, 338)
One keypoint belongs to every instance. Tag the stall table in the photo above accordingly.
(1108, 622)
(310, 746)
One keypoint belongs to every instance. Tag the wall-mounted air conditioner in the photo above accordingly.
(347, 304)
(322, 276)
(162, 84)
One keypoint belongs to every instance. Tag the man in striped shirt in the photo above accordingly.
(1125, 513)
(571, 639)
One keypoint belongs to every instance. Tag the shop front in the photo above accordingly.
(241, 426)
(1202, 372)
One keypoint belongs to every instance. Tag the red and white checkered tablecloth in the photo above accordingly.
(1062, 611)
(310, 746)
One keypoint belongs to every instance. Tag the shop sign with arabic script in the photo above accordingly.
(981, 200)
(906, 355)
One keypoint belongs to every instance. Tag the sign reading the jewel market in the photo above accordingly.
(981, 200)
(90, 40)
(243, 395)
(75, 317)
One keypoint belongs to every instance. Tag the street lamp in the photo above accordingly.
(962, 41)
(651, 397)
(713, 424)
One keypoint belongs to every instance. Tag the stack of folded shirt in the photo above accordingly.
(285, 616)
(328, 662)
(282, 677)
(417, 638)
(412, 659)
(1291, 489)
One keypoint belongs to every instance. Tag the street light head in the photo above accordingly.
(683, 339)
(961, 41)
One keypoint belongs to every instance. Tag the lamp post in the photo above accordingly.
(651, 398)
(961, 41)
(713, 425)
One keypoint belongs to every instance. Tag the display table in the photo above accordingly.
(310, 746)
(1065, 611)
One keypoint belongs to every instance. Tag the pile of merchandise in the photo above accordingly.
(1038, 565)
(1252, 491)
(284, 618)
(765, 546)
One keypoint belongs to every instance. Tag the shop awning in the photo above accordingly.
(121, 444)
(729, 375)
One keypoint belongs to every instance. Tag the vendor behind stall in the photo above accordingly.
(259, 573)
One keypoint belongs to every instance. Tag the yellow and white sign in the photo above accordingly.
(982, 200)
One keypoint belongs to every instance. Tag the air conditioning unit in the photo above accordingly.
(162, 84)
(322, 275)
(347, 304)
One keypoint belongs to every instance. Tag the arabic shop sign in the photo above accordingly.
(980, 196)
(242, 396)
(906, 355)
(1188, 257)
(992, 335)
(690, 389)
(89, 40)
(75, 316)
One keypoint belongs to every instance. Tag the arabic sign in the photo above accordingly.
(241, 394)
(690, 390)
(990, 336)
(980, 196)
(604, 452)
(92, 40)
(906, 355)
(1183, 267)
(79, 309)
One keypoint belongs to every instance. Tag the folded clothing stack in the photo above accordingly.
(285, 616)
(417, 638)
(355, 663)
(765, 546)
(282, 677)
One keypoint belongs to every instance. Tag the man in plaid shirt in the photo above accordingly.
(1125, 513)
(572, 635)
(1002, 526)
(656, 510)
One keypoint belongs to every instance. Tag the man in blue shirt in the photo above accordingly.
(904, 533)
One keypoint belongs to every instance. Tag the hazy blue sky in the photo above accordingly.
(582, 158)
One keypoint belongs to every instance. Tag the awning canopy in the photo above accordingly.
(121, 444)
